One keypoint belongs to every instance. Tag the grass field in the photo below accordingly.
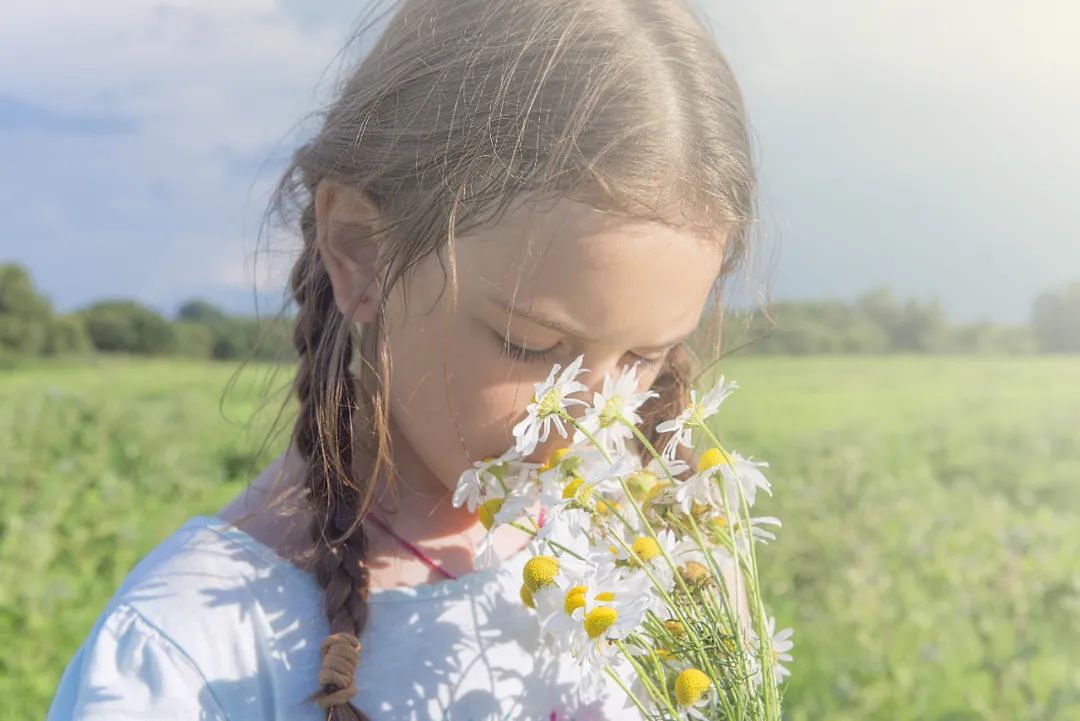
(929, 559)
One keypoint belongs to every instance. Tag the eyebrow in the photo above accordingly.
(541, 318)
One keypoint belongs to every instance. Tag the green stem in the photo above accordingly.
(556, 544)
(506, 492)
(682, 584)
(735, 622)
(641, 515)
(678, 609)
(766, 652)
(652, 533)
(645, 714)
(644, 676)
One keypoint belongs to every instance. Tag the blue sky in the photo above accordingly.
(926, 146)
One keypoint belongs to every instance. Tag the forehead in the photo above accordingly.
(611, 274)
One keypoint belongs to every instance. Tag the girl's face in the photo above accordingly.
(616, 291)
(589, 283)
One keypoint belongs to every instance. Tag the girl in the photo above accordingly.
(500, 185)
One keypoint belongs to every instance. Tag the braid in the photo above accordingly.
(323, 435)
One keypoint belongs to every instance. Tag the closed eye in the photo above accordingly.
(516, 352)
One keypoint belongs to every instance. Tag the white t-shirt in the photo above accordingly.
(214, 625)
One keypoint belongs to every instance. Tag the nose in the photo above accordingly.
(599, 366)
(594, 380)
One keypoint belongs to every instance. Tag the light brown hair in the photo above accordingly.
(460, 108)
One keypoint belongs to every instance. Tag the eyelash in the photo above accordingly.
(516, 352)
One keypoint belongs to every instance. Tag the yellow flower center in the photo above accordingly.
(716, 528)
(690, 686)
(577, 488)
(554, 459)
(549, 405)
(572, 487)
(605, 596)
(487, 511)
(599, 620)
(527, 597)
(674, 627)
(604, 506)
(694, 573)
(575, 599)
(710, 458)
(540, 571)
(640, 482)
(646, 548)
(609, 414)
(585, 494)
(655, 490)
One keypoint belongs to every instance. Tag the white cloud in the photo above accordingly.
(211, 92)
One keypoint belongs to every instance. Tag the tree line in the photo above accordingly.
(879, 322)
(875, 322)
(30, 327)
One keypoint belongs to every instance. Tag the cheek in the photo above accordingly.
(493, 411)
(483, 396)
(487, 403)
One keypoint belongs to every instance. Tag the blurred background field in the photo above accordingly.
(915, 386)
(931, 509)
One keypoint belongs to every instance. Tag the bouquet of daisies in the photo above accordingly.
(646, 573)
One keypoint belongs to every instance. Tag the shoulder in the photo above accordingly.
(129, 668)
(208, 579)
(205, 620)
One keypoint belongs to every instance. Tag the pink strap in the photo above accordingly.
(420, 554)
(413, 549)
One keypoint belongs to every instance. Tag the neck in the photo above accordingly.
(420, 506)
(421, 511)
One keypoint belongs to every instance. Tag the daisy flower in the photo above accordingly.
(488, 476)
(564, 465)
(573, 513)
(651, 552)
(644, 481)
(699, 490)
(555, 587)
(495, 512)
(694, 691)
(548, 402)
(781, 644)
(760, 534)
(618, 397)
(556, 602)
(614, 605)
(704, 487)
(693, 416)
(567, 518)
(744, 473)
(604, 475)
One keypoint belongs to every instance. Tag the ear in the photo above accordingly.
(346, 218)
